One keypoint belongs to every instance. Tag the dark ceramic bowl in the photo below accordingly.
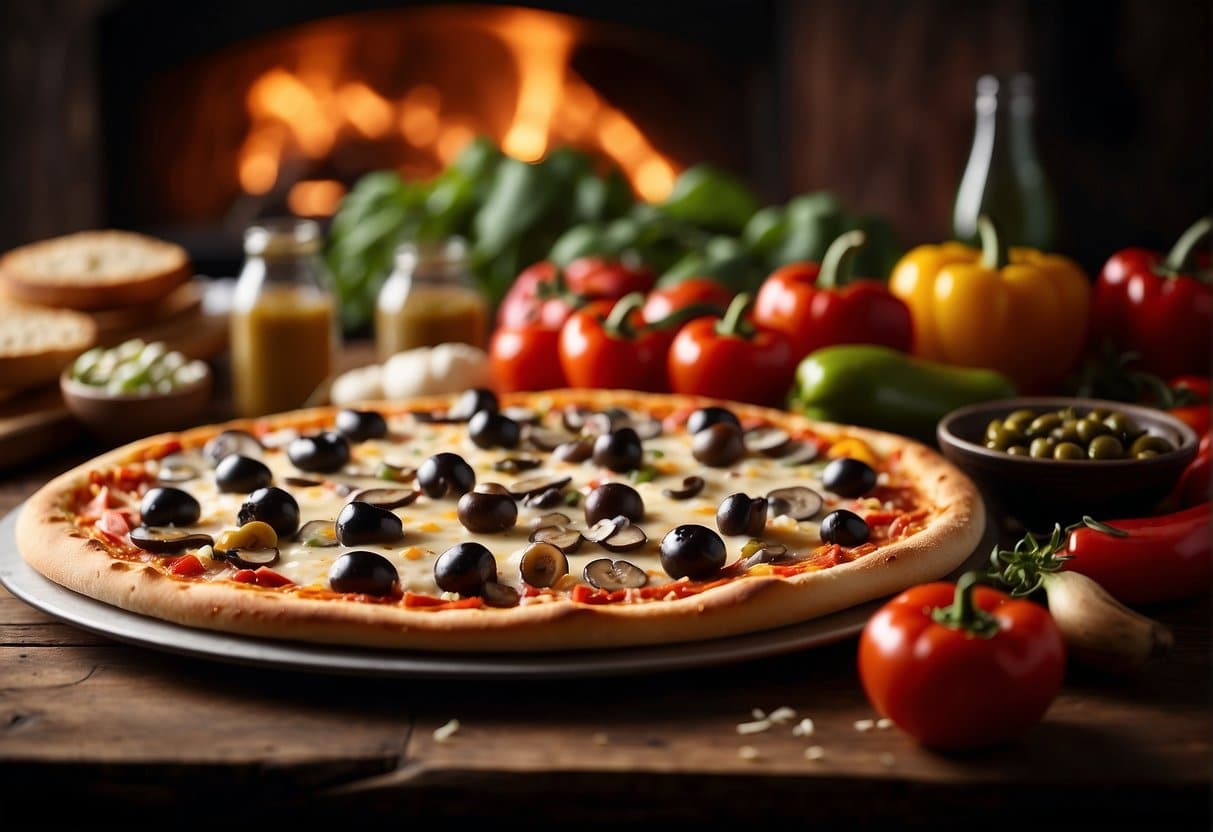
(1042, 492)
(117, 418)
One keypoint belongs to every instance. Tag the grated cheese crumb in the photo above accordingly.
(887, 759)
(445, 732)
(601, 739)
(865, 724)
(884, 722)
(814, 752)
(804, 728)
(747, 752)
(782, 715)
(753, 727)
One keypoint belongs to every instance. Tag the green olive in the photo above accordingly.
(1017, 450)
(1098, 414)
(1148, 442)
(1041, 448)
(994, 429)
(1122, 424)
(1105, 447)
(1069, 450)
(999, 437)
(1145, 454)
(1043, 423)
(1067, 431)
(1089, 430)
(1019, 419)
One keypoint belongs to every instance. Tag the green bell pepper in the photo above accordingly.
(885, 389)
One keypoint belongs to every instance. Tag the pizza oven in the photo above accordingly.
(189, 120)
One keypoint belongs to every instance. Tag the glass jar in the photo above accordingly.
(430, 298)
(1003, 177)
(284, 326)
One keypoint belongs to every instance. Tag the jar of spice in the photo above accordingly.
(284, 326)
(430, 298)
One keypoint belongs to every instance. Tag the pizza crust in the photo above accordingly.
(51, 545)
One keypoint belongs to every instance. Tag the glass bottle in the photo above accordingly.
(284, 326)
(430, 298)
(1004, 177)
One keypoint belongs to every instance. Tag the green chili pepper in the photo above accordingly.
(885, 389)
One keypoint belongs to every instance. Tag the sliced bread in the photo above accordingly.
(94, 270)
(37, 342)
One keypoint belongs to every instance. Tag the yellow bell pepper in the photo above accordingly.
(1020, 311)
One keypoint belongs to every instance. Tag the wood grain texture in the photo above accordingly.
(133, 730)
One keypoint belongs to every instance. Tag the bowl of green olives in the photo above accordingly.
(1050, 460)
(135, 389)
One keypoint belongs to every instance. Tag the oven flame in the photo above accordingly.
(311, 111)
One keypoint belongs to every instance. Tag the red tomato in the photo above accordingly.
(525, 359)
(730, 358)
(701, 293)
(546, 295)
(604, 345)
(961, 666)
(598, 277)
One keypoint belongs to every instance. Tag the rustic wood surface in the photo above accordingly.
(129, 730)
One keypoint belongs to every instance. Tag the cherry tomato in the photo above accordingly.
(605, 344)
(961, 666)
(525, 359)
(730, 358)
(697, 293)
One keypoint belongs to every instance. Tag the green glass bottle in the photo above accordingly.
(1004, 177)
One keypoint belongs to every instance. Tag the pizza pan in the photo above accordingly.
(120, 625)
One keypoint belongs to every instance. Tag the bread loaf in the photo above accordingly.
(94, 270)
(37, 343)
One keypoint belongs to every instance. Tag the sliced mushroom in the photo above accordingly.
(691, 486)
(534, 485)
(563, 538)
(499, 595)
(548, 498)
(797, 502)
(604, 528)
(767, 553)
(176, 469)
(230, 442)
(767, 440)
(573, 417)
(302, 482)
(626, 538)
(168, 539)
(545, 439)
(251, 558)
(318, 533)
(387, 497)
(517, 464)
(611, 575)
(543, 564)
(520, 414)
(576, 450)
(799, 453)
(553, 519)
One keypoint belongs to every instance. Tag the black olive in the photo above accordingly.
(169, 506)
(238, 473)
(490, 429)
(361, 523)
(471, 402)
(692, 551)
(691, 486)
(487, 512)
(718, 445)
(848, 477)
(612, 499)
(465, 568)
(706, 416)
(742, 514)
(846, 528)
(361, 425)
(366, 573)
(445, 473)
(162, 540)
(230, 442)
(620, 450)
(271, 505)
(323, 452)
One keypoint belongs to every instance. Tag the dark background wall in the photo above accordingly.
(870, 98)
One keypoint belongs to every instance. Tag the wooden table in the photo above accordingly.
(133, 733)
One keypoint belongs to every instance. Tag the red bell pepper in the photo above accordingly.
(732, 358)
(523, 358)
(606, 344)
(817, 305)
(1158, 307)
(546, 295)
(1195, 484)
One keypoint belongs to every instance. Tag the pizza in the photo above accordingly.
(540, 521)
